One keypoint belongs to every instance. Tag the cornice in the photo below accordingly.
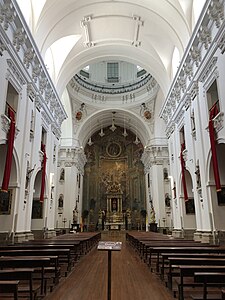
(15, 37)
(207, 38)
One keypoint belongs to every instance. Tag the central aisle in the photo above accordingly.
(131, 278)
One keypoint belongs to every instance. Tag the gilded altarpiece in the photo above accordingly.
(114, 184)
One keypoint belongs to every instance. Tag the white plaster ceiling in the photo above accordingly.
(143, 32)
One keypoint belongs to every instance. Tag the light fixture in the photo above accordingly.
(124, 129)
(101, 133)
(90, 142)
(113, 127)
(125, 132)
(136, 142)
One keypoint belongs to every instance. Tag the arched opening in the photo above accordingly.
(188, 207)
(114, 184)
(7, 206)
(37, 218)
(218, 200)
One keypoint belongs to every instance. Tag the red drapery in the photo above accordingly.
(213, 113)
(43, 173)
(9, 155)
(183, 172)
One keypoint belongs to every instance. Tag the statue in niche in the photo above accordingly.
(152, 215)
(167, 200)
(28, 175)
(198, 179)
(60, 201)
(193, 121)
(62, 175)
(165, 173)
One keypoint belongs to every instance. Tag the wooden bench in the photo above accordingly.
(9, 287)
(164, 261)
(26, 262)
(63, 255)
(26, 285)
(209, 279)
(179, 249)
(174, 261)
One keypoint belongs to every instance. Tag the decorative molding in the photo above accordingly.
(28, 57)
(46, 118)
(6, 15)
(41, 155)
(179, 116)
(188, 70)
(138, 24)
(182, 82)
(185, 154)
(36, 71)
(56, 130)
(42, 83)
(38, 103)
(170, 130)
(205, 36)
(195, 55)
(221, 43)
(194, 90)
(5, 123)
(218, 122)
(187, 101)
(16, 72)
(216, 12)
(19, 38)
(208, 69)
(85, 23)
(48, 94)
(2, 47)
(31, 93)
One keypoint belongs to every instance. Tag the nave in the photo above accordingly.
(131, 278)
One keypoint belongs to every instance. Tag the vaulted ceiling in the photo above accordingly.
(71, 34)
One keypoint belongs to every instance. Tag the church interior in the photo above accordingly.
(112, 128)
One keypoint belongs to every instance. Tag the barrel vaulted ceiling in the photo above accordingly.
(72, 34)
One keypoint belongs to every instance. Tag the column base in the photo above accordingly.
(198, 236)
(177, 233)
(49, 234)
(19, 237)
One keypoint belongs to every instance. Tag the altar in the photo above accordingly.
(114, 215)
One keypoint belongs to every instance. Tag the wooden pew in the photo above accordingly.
(186, 276)
(185, 255)
(48, 244)
(209, 279)
(174, 261)
(26, 262)
(63, 254)
(184, 249)
(26, 284)
(9, 287)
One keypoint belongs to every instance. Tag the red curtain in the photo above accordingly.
(213, 113)
(9, 155)
(43, 173)
(183, 172)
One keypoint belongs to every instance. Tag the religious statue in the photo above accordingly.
(152, 215)
(167, 200)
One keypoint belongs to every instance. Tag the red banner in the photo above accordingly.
(213, 113)
(43, 173)
(183, 172)
(9, 155)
